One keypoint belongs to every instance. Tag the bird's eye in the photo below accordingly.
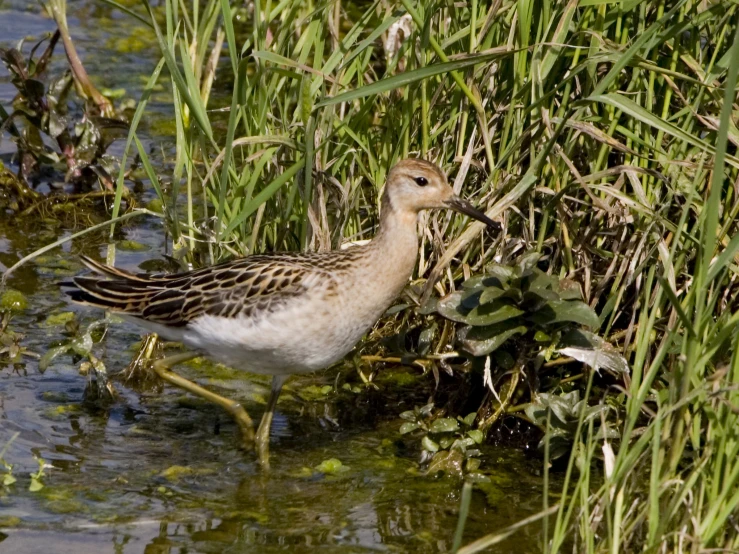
(421, 181)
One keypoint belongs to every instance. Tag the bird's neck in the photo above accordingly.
(394, 249)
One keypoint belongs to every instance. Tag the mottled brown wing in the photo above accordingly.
(247, 287)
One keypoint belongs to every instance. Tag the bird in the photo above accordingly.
(282, 313)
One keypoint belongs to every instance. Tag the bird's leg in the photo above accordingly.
(262, 439)
(163, 369)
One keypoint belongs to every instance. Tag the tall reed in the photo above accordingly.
(601, 133)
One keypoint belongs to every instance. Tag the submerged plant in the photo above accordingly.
(449, 444)
(50, 137)
(99, 390)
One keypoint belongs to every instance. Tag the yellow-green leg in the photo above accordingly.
(266, 423)
(163, 369)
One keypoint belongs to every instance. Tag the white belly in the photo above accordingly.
(294, 340)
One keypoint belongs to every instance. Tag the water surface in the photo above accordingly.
(160, 471)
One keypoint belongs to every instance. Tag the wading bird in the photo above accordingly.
(283, 313)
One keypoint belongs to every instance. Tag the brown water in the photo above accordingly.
(160, 471)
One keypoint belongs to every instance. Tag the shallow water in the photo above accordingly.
(162, 472)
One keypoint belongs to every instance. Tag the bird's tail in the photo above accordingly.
(112, 289)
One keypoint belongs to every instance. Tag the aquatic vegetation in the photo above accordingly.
(51, 138)
(602, 136)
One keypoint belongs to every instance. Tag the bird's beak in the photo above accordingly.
(462, 206)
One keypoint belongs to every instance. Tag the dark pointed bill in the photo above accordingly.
(462, 206)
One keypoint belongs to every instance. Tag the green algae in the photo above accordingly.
(62, 412)
(332, 466)
(10, 521)
(59, 319)
(13, 300)
(313, 393)
(133, 246)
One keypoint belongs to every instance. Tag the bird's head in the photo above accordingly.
(414, 185)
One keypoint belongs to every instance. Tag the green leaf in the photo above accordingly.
(429, 445)
(444, 425)
(49, 356)
(469, 419)
(35, 485)
(410, 77)
(538, 281)
(633, 109)
(490, 293)
(331, 466)
(494, 312)
(558, 311)
(479, 281)
(501, 272)
(451, 306)
(408, 415)
(481, 341)
(266, 193)
(569, 290)
(476, 435)
(526, 264)
(408, 427)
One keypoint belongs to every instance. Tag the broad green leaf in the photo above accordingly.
(444, 425)
(476, 435)
(429, 445)
(527, 263)
(451, 307)
(559, 311)
(471, 299)
(479, 281)
(408, 415)
(502, 272)
(494, 312)
(569, 290)
(407, 427)
(490, 293)
(479, 343)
